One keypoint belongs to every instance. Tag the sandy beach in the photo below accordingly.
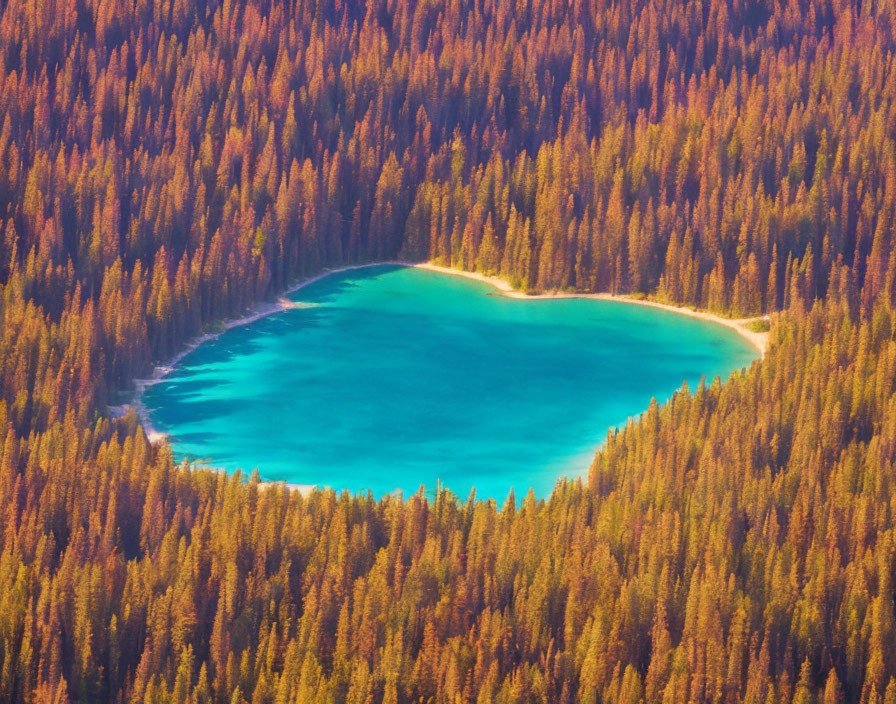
(759, 340)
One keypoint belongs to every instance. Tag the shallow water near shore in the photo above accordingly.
(393, 377)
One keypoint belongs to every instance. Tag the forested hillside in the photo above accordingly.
(165, 164)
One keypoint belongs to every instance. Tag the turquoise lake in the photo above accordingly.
(393, 377)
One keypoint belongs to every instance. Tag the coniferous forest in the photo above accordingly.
(166, 164)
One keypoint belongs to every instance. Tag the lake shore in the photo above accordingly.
(759, 340)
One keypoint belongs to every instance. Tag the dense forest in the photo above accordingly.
(165, 164)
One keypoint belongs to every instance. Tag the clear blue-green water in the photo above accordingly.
(396, 377)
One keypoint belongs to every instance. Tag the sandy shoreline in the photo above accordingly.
(759, 340)
(303, 489)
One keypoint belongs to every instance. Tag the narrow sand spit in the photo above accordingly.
(758, 339)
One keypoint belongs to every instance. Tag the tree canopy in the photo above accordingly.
(165, 164)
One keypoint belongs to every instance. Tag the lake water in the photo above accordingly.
(395, 377)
